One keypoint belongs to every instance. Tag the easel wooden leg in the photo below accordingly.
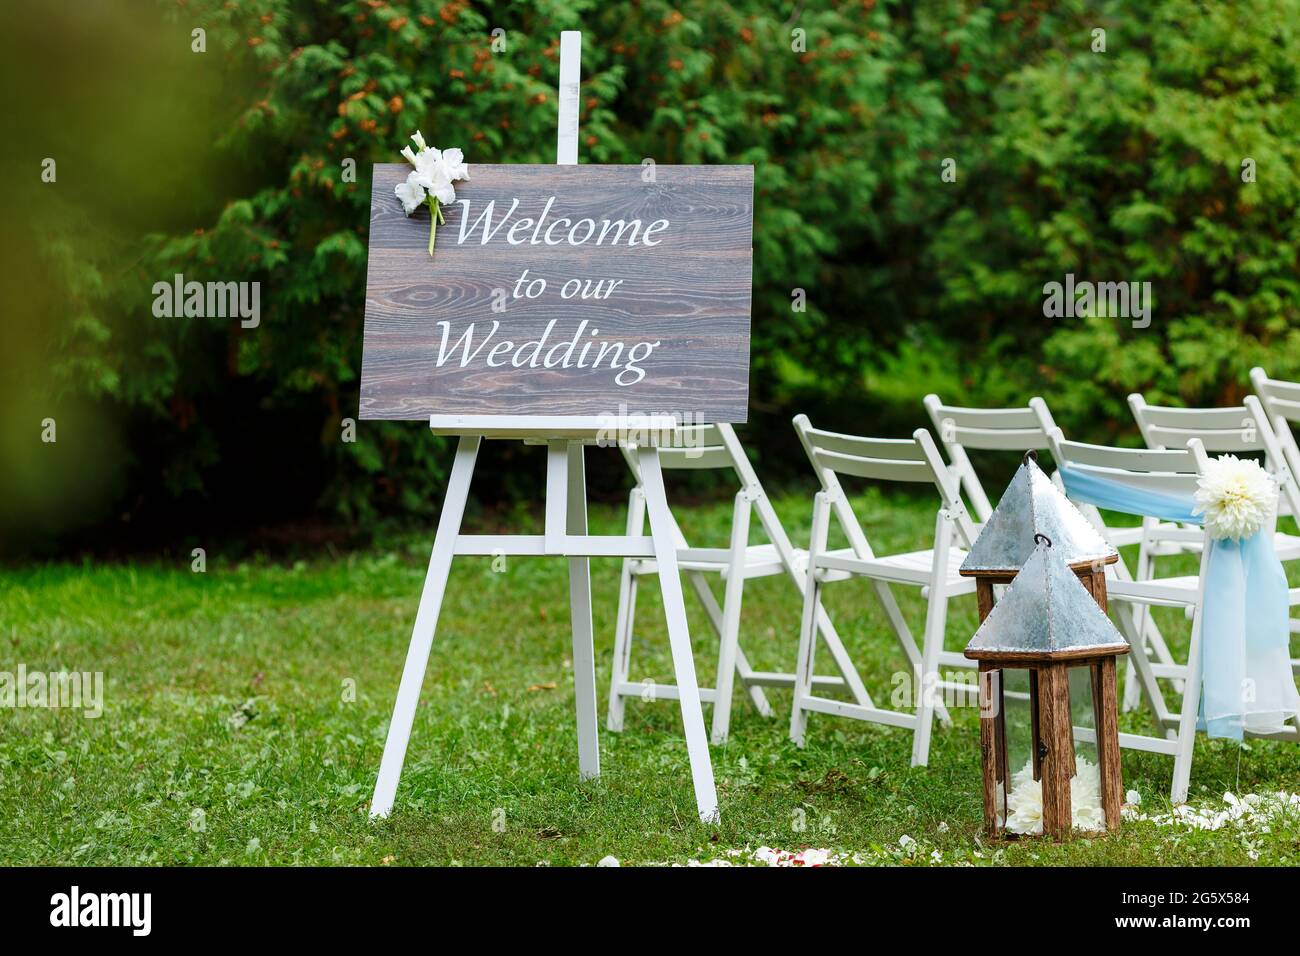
(584, 653)
(426, 620)
(670, 582)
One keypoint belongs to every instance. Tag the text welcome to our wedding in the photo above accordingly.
(563, 290)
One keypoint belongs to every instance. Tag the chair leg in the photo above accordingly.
(626, 613)
(803, 674)
(936, 619)
(714, 613)
(729, 636)
(1191, 700)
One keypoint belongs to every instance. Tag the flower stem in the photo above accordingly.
(434, 217)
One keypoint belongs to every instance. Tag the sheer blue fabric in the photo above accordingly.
(1247, 683)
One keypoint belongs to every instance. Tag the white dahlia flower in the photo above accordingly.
(1236, 495)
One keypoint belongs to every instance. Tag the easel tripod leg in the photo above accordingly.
(584, 653)
(665, 546)
(426, 620)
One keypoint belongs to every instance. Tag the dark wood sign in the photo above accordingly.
(563, 290)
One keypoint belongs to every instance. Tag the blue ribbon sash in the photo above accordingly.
(1245, 636)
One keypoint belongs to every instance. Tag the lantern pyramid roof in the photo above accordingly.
(1032, 505)
(1046, 612)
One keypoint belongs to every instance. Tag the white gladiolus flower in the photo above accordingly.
(1236, 496)
(431, 181)
(411, 193)
(453, 161)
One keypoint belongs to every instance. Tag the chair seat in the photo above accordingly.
(1286, 545)
(1177, 591)
(1119, 537)
(761, 560)
(911, 567)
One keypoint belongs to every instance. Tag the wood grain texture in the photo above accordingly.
(1058, 761)
(990, 696)
(1105, 702)
(690, 292)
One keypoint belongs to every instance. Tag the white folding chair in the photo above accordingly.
(1000, 429)
(1025, 429)
(933, 570)
(715, 447)
(1238, 429)
(1281, 402)
(1169, 472)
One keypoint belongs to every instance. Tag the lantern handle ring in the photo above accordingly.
(1043, 538)
(1030, 455)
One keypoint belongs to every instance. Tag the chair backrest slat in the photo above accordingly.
(879, 469)
(1240, 438)
(994, 429)
(1281, 403)
(999, 439)
(1170, 471)
(685, 459)
(994, 418)
(897, 449)
(1284, 408)
(1272, 390)
(913, 460)
(1230, 429)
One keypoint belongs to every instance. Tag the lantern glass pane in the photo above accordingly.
(1085, 791)
(1019, 799)
(1017, 746)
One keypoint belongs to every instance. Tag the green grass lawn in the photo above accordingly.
(229, 735)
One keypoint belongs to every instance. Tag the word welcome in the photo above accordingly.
(1126, 300)
(560, 355)
(211, 300)
(75, 908)
(81, 691)
(578, 233)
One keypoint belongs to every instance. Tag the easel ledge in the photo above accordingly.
(611, 429)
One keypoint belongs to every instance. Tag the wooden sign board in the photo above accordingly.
(563, 290)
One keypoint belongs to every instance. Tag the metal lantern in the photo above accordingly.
(1033, 506)
(1049, 635)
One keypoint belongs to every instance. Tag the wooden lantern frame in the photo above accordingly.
(1052, 734)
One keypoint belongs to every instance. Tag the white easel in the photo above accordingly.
(565, 534)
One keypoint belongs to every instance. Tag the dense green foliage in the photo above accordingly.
(1117, 165)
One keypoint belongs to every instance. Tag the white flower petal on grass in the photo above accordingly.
(411, 193)
(1236, 495)
(608, 861)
